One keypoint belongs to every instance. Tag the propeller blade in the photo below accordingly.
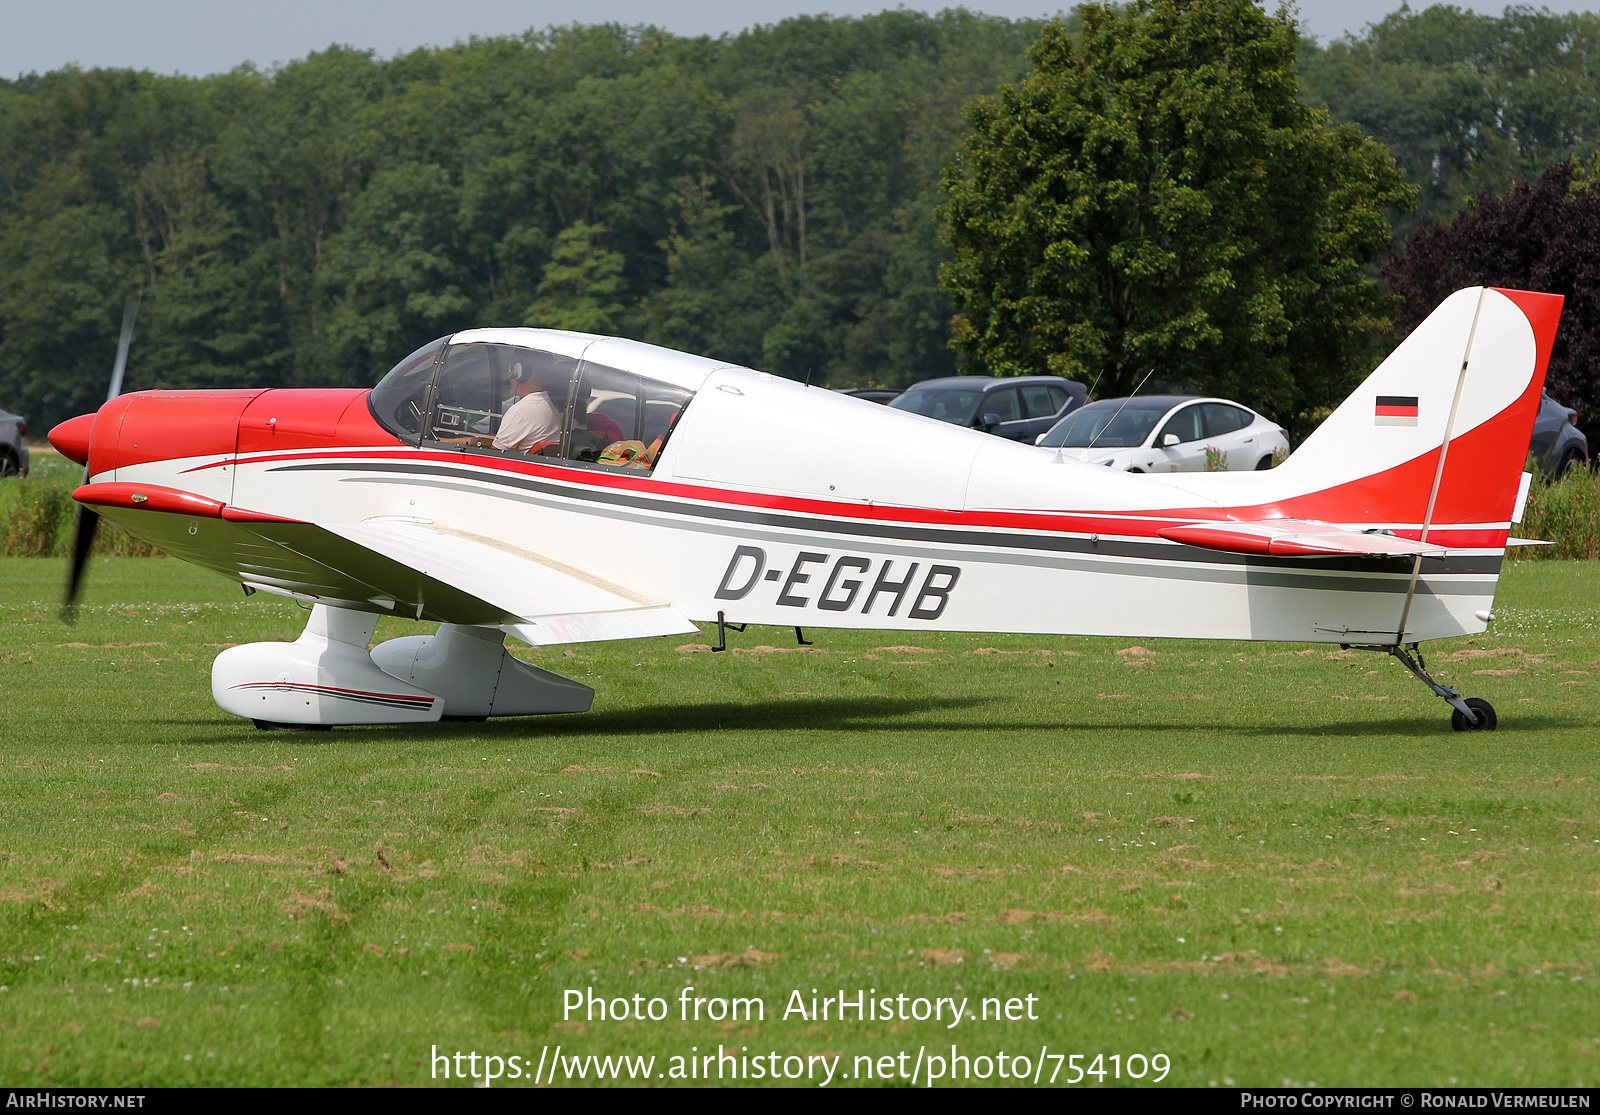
(82, 543)
(83, 531)
(129, 309)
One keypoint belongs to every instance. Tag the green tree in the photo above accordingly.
(1466, 102)
(1157, 201)
(582, 284)
(714, 301)
(59, 275)
(310, 224)
(285, 157)
(797, 346)
(208, 317)
(391, 276)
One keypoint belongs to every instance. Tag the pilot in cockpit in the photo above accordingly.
(534, 419)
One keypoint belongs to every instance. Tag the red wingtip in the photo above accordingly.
(71, 438)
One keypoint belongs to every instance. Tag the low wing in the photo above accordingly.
(551, 602)
(1295, 538)
(410, 568)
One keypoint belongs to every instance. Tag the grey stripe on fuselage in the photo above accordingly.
(1105, 556)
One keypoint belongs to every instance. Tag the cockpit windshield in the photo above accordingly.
(947, 404)
(1108, 424)
(400, 401)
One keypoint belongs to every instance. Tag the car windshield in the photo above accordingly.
(947, 404)
(1109, 424)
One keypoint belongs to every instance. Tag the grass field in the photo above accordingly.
(1271, 864)
(37, 514)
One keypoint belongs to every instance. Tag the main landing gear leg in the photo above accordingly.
(1469, 714)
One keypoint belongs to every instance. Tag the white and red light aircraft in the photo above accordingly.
(673, 488)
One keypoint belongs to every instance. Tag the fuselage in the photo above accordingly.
(774, 503)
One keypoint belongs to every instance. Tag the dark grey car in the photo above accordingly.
(13, 444)
(1557, 444)
(1016, 407)
(870, 394)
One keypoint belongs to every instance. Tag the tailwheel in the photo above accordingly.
(1482, 709)
(1472, 714)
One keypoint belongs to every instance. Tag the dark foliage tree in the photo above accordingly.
(1542, 235)
(1156, 200)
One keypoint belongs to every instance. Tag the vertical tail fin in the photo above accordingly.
(1437, 435)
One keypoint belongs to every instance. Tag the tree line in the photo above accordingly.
(771, 198)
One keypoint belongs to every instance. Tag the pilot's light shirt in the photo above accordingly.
(531, 421)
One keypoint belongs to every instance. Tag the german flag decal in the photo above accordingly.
(1396, 410)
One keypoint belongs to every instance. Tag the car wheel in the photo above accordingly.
(1264, 463)
(1573, 457)
(8, 464)
(1140, 470)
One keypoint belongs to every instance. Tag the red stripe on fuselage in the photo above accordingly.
(1473, 534)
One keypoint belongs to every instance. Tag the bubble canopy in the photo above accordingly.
(571, 397)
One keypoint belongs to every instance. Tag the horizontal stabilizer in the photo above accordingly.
(1527, 542)
(551, 602)
(1294, 538)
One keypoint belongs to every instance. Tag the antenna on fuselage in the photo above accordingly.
(1125, 402)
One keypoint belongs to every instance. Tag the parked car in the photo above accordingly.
(1557, 444)
(13, 444)
(870, 394)
(1016, 407)
(1168, 433)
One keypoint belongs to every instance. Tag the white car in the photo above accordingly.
(1169, 433)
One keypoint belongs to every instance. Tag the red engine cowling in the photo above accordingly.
(162, 425)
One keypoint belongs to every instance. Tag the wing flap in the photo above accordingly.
(552, 602)
(1294, 538)
(591, 627)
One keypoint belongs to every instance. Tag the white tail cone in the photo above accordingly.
(325, 676)
(471, 670)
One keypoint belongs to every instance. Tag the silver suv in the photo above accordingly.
(13, 444)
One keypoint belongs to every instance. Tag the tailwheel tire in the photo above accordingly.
(1486, 717)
